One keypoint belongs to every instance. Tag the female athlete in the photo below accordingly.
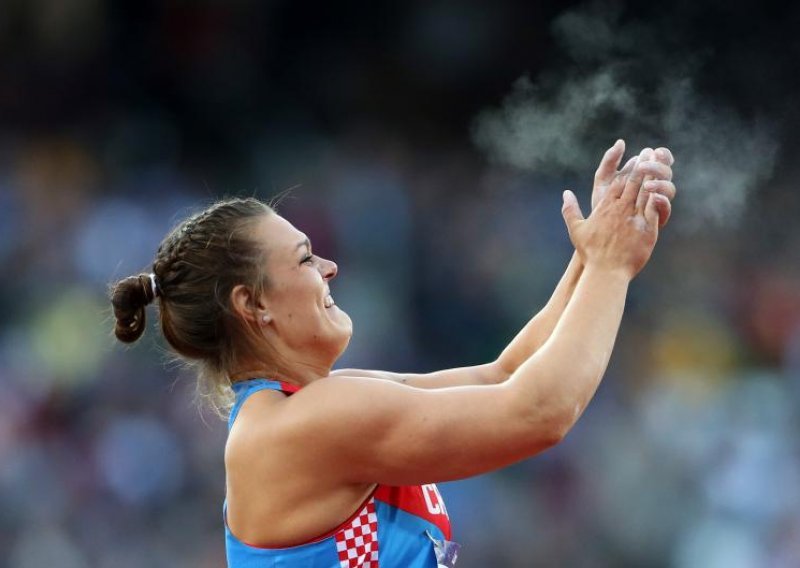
(337, 468)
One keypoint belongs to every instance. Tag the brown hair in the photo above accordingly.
(196, 267)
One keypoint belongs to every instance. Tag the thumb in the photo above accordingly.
(571, 210)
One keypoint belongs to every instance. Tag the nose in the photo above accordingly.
(328, 269)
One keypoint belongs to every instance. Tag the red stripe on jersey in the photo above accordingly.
(288, 388)
(422, 501)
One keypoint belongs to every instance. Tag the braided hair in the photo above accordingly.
(196, 267)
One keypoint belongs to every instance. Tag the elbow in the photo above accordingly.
(554, 433)
(496, 372)
(551, 408)
(550, 426)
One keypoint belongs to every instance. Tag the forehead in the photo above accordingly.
(278, 234)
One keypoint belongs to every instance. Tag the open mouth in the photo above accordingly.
(328, 301)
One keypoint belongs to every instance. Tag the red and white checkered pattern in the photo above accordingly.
(357, 543)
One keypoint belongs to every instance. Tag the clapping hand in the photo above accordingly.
(655, 164)
(622, 230)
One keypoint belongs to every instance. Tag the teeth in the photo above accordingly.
(328, 301)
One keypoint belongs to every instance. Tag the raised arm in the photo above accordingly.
(362, 430)
(656, 165)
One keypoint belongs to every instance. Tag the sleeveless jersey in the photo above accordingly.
(396, 527)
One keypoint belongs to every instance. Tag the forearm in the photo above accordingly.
(525, 343)
(486, 374)
(560, 379)
(537, 331)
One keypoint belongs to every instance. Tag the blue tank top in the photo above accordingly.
(396, 527)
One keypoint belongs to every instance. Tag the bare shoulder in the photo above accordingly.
(304, 419)
(275, 491)
(257, 424)
(338, 400)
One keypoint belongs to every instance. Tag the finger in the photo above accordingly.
(609, 163)
(626, 169)
(571, 210)
(617, 182)
(633, 185)
(651, 210)
(642, 196)
(664, 155)
(617, 185)
(664, 208)
(665, 188)
(656, 169)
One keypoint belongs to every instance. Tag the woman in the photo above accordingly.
(340, 472)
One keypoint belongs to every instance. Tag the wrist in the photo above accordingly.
(609, 272)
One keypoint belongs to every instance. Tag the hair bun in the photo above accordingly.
(129, 298)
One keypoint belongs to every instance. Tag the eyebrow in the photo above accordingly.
(305, 243)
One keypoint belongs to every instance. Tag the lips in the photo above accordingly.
(328, 301)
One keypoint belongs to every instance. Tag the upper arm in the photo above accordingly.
(363, 430)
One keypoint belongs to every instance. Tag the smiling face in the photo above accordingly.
(302, 313)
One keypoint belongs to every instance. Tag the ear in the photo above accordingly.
(251, 309)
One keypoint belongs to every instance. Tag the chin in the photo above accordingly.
(346, 323)
(340, 333)
(347, 333)
(349, 326)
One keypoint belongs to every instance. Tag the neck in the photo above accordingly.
(299, 373)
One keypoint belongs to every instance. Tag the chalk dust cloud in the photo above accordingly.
(615, 79)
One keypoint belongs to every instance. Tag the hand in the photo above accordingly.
(622, 230)
(658, 167)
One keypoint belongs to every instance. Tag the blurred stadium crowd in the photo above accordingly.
(688, 456)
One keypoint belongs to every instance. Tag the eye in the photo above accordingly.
(307, 259)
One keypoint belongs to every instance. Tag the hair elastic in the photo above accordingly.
(153, 285)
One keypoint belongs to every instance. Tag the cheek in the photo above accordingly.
(297, 306)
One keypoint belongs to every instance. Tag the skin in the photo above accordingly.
(298, 466)
(300, 337)
(658, 165)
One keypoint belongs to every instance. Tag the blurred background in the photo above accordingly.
(427, 144)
